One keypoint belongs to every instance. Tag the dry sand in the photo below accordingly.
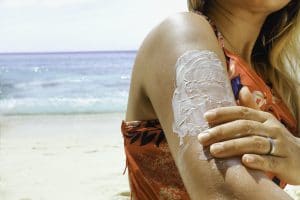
(53, 157)
(65, 157)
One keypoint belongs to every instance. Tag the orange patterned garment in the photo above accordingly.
(152, 171)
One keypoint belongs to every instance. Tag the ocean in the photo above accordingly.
(65, 83)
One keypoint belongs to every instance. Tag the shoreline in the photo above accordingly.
(15, 122)
(68, 52)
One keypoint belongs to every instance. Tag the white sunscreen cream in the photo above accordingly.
(201, 84)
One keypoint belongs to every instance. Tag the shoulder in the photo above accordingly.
(172, 37)
(152, 72)
(154, 68)
(183, 23)
(180, 30)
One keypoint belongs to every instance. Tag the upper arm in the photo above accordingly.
(157, 57)
(162, 48)
(160, 52)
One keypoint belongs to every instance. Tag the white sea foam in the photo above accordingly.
(61, 105)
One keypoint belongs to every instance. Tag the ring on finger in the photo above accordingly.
(272, 146)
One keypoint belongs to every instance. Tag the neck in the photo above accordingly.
(240, 28)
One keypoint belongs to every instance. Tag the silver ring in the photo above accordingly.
(272, 146)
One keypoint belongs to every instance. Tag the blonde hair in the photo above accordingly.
(275, 54)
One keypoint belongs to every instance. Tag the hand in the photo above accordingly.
(262, 141)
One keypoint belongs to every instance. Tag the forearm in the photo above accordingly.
(251, 184)
(222, 179)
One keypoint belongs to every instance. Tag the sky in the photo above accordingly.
(80, 25)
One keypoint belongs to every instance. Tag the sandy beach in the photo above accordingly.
(65, 157)
(57, 157)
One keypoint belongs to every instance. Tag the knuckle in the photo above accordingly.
(219, 132)
(238, 122)
(244, 111)
(268, 115)
(275, 128)
(233, 146)
(261, 162)
(246, 126)
(260, 144)
(281, 149)
(273, 163)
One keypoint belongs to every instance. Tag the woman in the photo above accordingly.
(251, 147)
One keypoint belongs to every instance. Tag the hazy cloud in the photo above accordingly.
(78, 25)
(47, 3)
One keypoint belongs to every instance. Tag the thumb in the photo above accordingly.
(246, 98)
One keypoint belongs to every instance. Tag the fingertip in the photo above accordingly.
(248, 159)
(209, 115)
(203, 137)
(217, 147)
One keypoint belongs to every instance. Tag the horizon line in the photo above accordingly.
(67, 52)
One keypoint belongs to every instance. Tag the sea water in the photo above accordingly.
(65, 83)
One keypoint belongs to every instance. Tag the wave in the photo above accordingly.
(125, 77)
(50, 83)
(62, 105)
(57, 82)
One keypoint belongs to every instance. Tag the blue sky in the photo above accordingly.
(80, 25)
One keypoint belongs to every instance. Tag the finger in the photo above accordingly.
(226, 114)
(234, 129)
(246, 99)
(266, 163)
(240, 146)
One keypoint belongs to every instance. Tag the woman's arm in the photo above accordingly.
(262, 140)
(157, 58)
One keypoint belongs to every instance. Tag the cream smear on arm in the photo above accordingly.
(201, 84)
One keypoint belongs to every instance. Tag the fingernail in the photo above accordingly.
(209, 115)
(204, 136)
(249, 159)
(216, 148)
